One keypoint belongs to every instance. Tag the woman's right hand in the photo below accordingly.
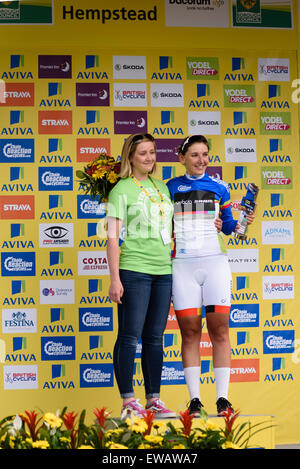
(116, 291)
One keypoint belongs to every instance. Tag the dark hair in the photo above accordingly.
(188, 141)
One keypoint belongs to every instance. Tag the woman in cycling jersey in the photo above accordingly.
(201, 272)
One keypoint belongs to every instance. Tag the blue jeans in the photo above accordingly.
(142, 314)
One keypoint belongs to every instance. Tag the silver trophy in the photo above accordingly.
(248, 203)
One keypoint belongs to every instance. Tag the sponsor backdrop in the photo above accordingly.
(61, 107)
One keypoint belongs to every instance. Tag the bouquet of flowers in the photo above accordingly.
(99, 176)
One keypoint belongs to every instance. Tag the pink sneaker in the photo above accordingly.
(160, 410)
(133, 407)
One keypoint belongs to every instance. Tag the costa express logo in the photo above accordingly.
(17, 207)
(55, 122)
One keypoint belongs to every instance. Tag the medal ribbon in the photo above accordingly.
(161, 204)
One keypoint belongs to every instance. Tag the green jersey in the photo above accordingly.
(146, 211)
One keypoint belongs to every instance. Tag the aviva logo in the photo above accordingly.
(240, 172)
(237, 63)
(242, 337)
(239, 118)
(16, 61)
(91, 61)
(278, 309)
(274, 91)
(275, 144)
(165, 61)
(19, 343)
(203, 89)
(167, 117)
(54, 89)
(277, 254)
(242, 283)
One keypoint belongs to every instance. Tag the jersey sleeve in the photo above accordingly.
(229, 223)
(169, 186)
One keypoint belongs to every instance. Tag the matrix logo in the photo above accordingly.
(96, 375)
(199, 68)
(280, 176)
(278, 342)
(243, 260)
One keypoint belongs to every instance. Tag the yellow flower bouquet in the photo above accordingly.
(99, 176)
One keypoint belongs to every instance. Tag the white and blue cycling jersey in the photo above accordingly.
(198, 201)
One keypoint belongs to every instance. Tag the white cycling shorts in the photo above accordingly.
(201, 281)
